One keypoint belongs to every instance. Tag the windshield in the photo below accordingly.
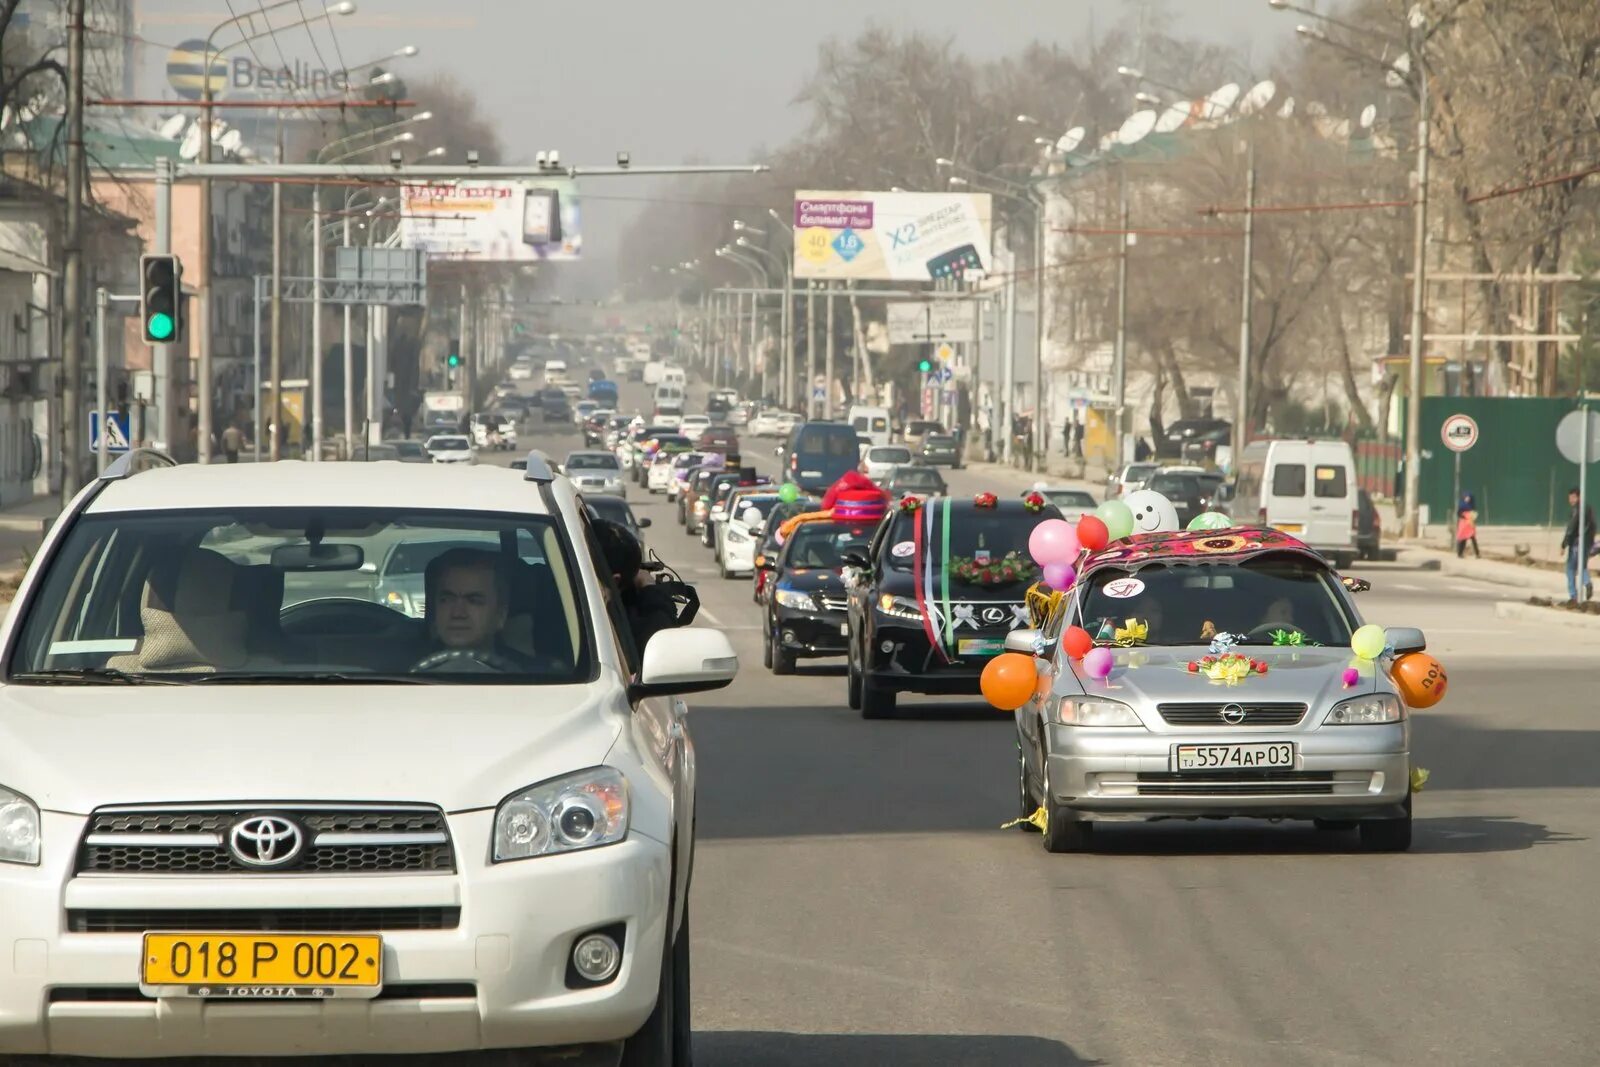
(592, 461)
(448, 444)
(1175, 486)
(1253, 600)
(1069, 498)
(310, 595)
(823, 544)
(888, 455)
(982, 535)
(613, 508)
(407, 448)
(917, 478)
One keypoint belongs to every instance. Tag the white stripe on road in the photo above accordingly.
(1407, 587)
(706, 613)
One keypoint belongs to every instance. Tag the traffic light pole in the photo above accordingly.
(161, 356)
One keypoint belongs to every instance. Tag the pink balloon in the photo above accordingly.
(1059, 576)
(1351, 677)
(1097, 662)
(1053, 541)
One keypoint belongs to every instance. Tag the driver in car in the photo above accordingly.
(468, 603)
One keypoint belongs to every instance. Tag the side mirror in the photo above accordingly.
(1405, 639)
(854, 559)
(644, 524)
(1022, 641)
(778, 451)
(368, 567)
(690, 660)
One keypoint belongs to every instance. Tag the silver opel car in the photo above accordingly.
(1233, 693)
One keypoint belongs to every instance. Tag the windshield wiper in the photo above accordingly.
(89, 675)
(314, 678)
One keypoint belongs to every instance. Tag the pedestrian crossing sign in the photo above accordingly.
(116, 432)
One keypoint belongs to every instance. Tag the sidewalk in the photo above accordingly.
(22, 528)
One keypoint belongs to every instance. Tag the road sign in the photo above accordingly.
(1459, 432)
(1570, 439)
(116, 438)
(927, 321)
(945, 353)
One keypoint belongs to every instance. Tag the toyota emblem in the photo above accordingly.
(994, 615)
(1232, 714)
(266, 841)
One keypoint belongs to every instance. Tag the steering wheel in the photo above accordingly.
(463, 659)
(341, 615)
(1267, 629)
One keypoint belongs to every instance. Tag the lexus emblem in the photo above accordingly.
(265, 841)
(994, 615)
(1232, 714)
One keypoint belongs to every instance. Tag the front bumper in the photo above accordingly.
(739, 557)
(616, 489)
(497, 980)
(1127, 772)
(901, 658)
(812, 633)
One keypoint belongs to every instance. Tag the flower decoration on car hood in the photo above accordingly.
(1034, 502)
(985, 500)
(1229, 669)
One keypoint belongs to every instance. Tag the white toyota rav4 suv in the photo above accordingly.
(247, 808)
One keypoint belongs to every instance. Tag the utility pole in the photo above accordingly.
(827, 388)
(349, 364)
(811, 348)
(469, 377)
(1120, 357)
(1241, 419)
(161, 358)
(316, 323)
(72, 294)
(1419, 289)
(274, 420)
(1038, 449)
(786, 391)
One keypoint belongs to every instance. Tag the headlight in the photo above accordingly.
(791, 598)
(900, 607)
(1097, 713)
(19, 829)
(1363, 711)
(737, 535)
(578, 811)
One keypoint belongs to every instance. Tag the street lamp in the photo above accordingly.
(1028, 120)
(1409, 70)
(210, 53)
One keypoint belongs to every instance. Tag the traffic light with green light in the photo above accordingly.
(161, 299)
(454, 359)
(925, 366)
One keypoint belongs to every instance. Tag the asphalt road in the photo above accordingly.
(856, 904)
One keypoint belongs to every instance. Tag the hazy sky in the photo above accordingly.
(706, 79)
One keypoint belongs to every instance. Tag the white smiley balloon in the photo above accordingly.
(1152, 512)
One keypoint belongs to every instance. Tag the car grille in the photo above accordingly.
(341, 839)
(1256, 713)
(1237, 784)
(263, 920)
(832, 603)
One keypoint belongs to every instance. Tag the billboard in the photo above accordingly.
(902, 237)
(517, 222)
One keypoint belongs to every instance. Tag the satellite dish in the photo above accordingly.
(1369, 115)
(190, 148)
(1260, 95)
(1287, 110)
(1174, 117)
(1218, 103)
(172, 129)
(1136, 128)
(1070, 140)
(1107, 140)
(231, 141)
(1316, 109)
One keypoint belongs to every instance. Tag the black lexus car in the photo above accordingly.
(936, 635)
(805, 611)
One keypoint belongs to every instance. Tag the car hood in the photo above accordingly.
(1145, 677)
(73, 748)
(813, 580)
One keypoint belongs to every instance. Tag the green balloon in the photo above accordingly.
(1210, 520)
(789, 493)
(1117, 517)
(1368, 642)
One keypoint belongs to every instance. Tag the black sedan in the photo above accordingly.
(806, 609)
(940, 448)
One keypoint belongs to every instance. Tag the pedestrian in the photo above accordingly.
(232, 442)
(1066, 436)
(1578, 554)
(1467, 526)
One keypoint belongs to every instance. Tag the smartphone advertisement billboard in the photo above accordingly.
(902, 237)
(492, 221)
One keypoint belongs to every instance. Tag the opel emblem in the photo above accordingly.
(265, 841)
(1232, 714)
(994, 615)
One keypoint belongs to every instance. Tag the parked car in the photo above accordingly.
(528, 796)
(878, 461)
(1195, 440)
(892, 650)
(806, 613)
(1181, 487)
(1295, 740)
(409, 451)
(368, 453)
(1129, 478)
(1073, 504)
(940, 449)
(923, 481)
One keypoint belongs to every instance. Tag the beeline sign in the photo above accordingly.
(243, 73)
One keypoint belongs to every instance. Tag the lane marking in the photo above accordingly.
(707, 613)
(1407, 587)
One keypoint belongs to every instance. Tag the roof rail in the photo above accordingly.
(136, 461)
(536, 468)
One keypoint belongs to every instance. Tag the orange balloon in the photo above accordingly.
(1008, 680)
(1420, 679)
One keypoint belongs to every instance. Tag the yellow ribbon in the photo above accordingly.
(1131, 632)
(1039, 818)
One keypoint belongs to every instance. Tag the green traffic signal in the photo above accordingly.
(160, 326)
(925, 366)
(455, 360)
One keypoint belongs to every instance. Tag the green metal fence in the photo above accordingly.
(1514, 470)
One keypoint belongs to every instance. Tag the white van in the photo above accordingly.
(674, 375)
(871, 423)
(1304, 488)
(555, 372)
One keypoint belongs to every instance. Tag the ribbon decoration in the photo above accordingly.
(964, 615)
(922, 581)
(1131, 632)
(1292, 638)
(1222, 642)
(1019, 615)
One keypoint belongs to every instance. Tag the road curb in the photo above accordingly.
(1520, 612)
(1529, 579)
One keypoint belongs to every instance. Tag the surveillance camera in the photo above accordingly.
(395, 158)
(555, 159)
(623, 160)
(472, 157)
